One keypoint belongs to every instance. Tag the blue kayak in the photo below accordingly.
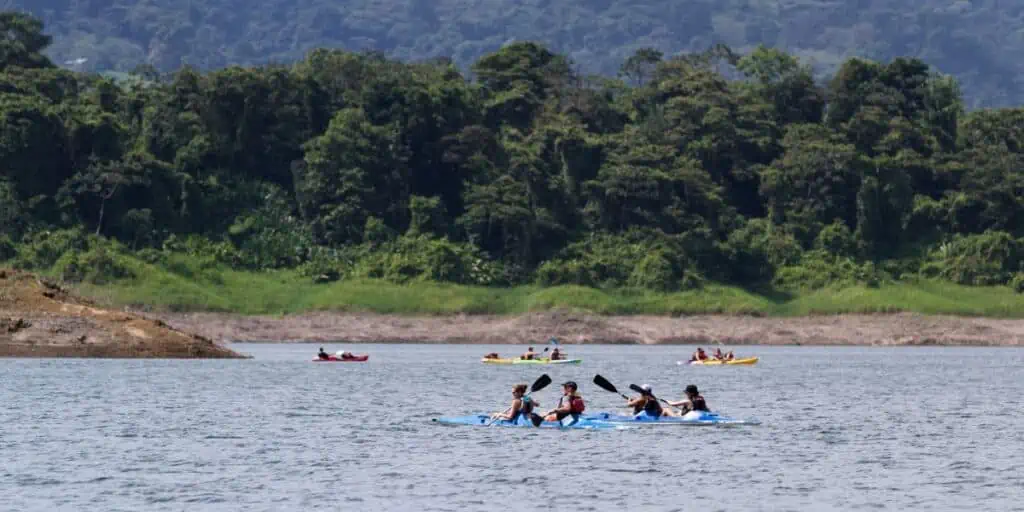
(694, 418)
(482, 420)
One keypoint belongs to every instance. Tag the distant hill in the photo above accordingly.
(980, 41)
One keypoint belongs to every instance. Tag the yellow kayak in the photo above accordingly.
(530, 361)
(715, 362)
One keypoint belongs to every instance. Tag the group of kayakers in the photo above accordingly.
(700, 355)
(571, 404)
(648, 403)
(341, 354)
(530, 355)
(556, 354)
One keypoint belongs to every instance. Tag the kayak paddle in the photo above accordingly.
(607, 386)
(539, 384)
(642, 391)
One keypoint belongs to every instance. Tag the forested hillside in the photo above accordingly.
(979, 42)
(352, 165)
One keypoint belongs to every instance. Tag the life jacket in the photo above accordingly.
(698, 404)
(527, 407)
(576, 405)
(652, 408)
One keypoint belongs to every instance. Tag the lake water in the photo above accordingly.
(842, 429)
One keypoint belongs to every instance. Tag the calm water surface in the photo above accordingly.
(843, 429)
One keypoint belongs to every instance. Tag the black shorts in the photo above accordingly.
(561, 415)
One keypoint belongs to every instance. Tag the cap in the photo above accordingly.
(569, 383)
(692, 389)
(646, 387)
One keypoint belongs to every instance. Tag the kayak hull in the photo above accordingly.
(336, 359)
(483, 420)
(531, 361)
(693, 418)
(716, 362)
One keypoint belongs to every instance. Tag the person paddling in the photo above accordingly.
(694, 401)
(571, 404)
(718, 354)
(699, 355)
(556, 354)
(646, 403)
(322, 354)
(528, 355)
(520, 405)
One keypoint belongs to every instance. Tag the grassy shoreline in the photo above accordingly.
(285, 292)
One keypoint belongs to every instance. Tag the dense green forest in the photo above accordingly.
(710, 167)
(979, 42)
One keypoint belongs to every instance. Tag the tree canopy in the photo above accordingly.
(977, 42)
(712, 165)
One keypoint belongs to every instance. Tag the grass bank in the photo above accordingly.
(188, 289)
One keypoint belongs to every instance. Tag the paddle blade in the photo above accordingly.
(541, 383)
(536, 419)
(604, 384)
(639, 389)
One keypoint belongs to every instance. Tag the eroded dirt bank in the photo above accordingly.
(41, 319)
(894, 329)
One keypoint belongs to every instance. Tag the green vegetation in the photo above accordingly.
(283, 292)
(353, 181)
(979, 42)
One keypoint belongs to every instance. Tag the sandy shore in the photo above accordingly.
(41, 319)
(892, 329)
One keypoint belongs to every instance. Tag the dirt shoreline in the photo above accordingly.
(39, 318)
(902, 329)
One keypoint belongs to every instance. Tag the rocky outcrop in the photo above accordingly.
(40, 318)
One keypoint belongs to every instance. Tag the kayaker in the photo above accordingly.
(694, 401)
(556, 354)
(344, 354)
(492, 355)
(323, 355)
(699, 355)
(718, 354)
(571, 404)
(520, 405)
(528, 355)
(646, 402)
(729, 356)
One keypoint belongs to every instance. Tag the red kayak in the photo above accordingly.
(336, 359)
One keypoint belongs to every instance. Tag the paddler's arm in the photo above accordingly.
(512, 411)
(556, 409)
(517, 405)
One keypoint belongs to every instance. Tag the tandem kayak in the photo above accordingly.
(336, 359)
(483, 420)
(692, 418)
(717, 362)
(531, 361)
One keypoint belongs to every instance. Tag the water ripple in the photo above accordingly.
(844, 429)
